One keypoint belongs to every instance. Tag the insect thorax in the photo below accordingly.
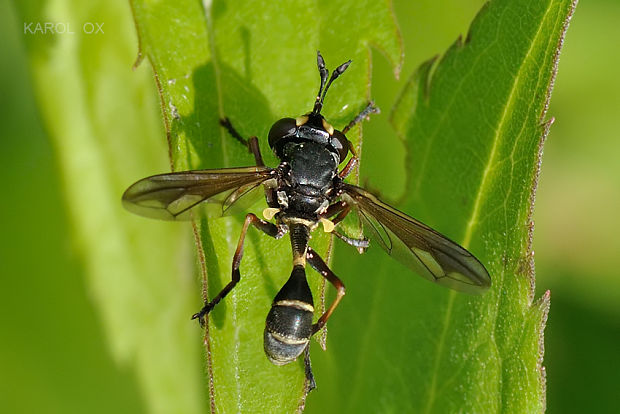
(309, 179)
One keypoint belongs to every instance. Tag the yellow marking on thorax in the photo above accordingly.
(300, 120)
(269, 212)
(328, 225)
(328, 127)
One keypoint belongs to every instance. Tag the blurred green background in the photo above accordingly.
(54, 355)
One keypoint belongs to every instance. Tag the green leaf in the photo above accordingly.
(396, 343)
(106, 131)
(253, 62)
(473, 125)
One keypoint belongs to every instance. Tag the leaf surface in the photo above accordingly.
(473, 123)
(253, 62)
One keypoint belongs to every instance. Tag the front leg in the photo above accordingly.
(364, 114)
(251, 144)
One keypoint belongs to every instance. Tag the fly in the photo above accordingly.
(305, 191)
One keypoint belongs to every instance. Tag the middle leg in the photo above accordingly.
(341, 209)
(266, 227)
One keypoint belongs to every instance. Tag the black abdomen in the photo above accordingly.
(287, 333)
(289, 323)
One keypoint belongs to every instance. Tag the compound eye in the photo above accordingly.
(340, 144)
(282, 128)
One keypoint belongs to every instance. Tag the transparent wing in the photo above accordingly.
(174, 196)
(428, 253)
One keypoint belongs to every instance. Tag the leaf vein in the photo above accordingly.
(499, 134)
(207, 6)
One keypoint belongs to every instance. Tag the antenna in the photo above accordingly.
(320, 63)
(318, 104)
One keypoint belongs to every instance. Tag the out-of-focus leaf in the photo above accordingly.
(102, 118)
(473, 124)
(54, 354)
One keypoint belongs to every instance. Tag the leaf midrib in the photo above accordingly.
(499, 133)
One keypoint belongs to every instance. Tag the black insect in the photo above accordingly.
(304, 191)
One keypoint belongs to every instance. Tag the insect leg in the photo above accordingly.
(308, 366)
(360, 244)
(251, 144)
(351, 164)
(340, 210)
(268, 228)
(370, 109)
(319, 265)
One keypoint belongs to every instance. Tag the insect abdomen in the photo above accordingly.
(289, 323)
